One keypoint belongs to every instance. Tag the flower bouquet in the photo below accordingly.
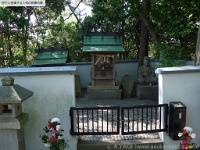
(187, 137)
(54, 140)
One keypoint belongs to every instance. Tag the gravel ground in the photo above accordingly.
(83, 102)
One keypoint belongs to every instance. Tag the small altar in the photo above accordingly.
(103, 48)
(147, 92)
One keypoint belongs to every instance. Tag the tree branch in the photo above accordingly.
(73, 9)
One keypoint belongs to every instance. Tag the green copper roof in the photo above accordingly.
(103, 44)
(51, 57)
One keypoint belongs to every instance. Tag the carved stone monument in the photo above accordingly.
(146, 73)
(147, 87)
(12, 119)
(127, 86)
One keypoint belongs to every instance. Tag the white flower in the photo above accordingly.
(193, 135)
(47, 145)
(55, 120)
(58, 127)
(188, 129)
(59, 137)
(180, 134)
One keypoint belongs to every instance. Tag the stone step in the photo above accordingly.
(138, 144)
(103, 93)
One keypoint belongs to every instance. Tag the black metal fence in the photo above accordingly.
(95, 120)
(144, 119)
(106, 120)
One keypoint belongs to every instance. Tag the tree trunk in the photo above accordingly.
(150, 28)
(24, 45)
(143, 36)
(1, 39)
(8, 51)
(25, 36)
(137, 34)
(197, 53)
(159, 47)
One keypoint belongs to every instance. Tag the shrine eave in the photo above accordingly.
(51, 57)
(103, 43)
(103, 49)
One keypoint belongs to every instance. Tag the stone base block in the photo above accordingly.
(12, 139)
(147, 92)
(103, 93)
(11, 131)
(144, 144)
(13, 123)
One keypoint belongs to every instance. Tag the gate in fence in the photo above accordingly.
(112, 120)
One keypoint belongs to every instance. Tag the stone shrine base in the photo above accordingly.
(103, 92)
(11, 131)
(147, 92)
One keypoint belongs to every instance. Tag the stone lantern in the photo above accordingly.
(11, 117)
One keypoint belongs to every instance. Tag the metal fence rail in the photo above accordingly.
(95, 120)
(144, 119)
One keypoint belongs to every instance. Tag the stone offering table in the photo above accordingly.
(147, 92)
(11, 117)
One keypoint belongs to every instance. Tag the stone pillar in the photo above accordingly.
(11, 117)
(127, 86)
(78, 85)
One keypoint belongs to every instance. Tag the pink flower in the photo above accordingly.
(51, 138)
(184, 144)
(55, 131)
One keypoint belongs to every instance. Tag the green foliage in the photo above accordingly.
(175, 23)
(113, 16)
(169, 62)
(107, 16)
(168, 57)
(18, 32)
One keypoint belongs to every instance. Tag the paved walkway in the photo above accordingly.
(83, 102)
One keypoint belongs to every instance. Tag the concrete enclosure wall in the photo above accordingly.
(128, 67)
(122, 68)
(181, 84)
(54, 94)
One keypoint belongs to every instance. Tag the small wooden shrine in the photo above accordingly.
(104, 48)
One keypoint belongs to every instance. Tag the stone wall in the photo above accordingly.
(54, 94)
(181, 84)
